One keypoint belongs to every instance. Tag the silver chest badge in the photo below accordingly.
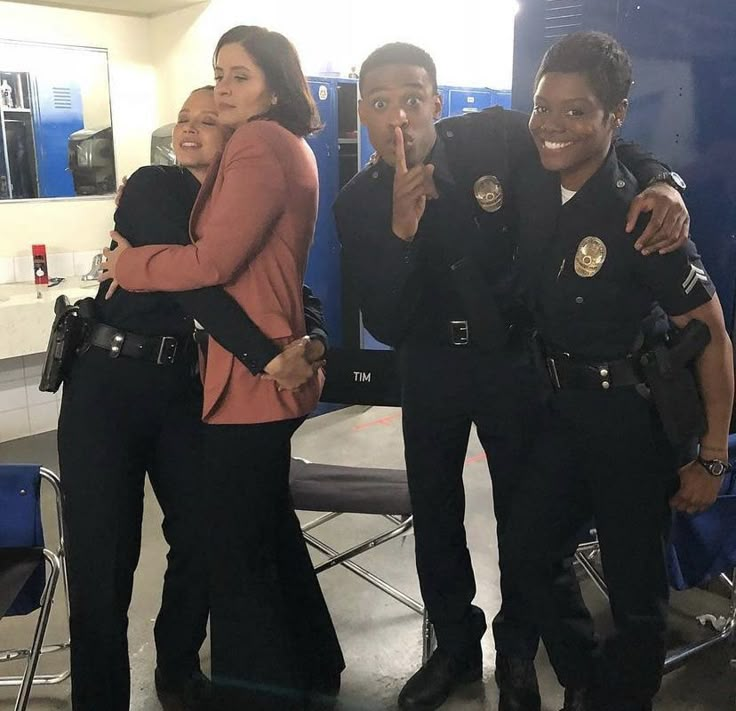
(590, 256)
(489, 193)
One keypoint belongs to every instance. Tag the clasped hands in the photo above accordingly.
(296, 364)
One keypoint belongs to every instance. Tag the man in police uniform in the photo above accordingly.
(428, 234)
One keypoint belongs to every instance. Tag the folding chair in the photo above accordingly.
(23, 561)
(702, 547)
(366, 378)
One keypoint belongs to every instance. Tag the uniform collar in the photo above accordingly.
(438, 158)
(609, 184)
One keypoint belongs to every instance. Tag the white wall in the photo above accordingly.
(67, 225)
(472, 45)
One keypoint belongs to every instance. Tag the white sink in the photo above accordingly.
(25, 319)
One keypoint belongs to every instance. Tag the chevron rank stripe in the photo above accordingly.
(695, 275)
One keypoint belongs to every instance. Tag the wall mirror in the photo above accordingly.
(56, 136)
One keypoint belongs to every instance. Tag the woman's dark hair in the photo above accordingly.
(294, 109)
(399, 53)
(206, 87)
(598, 56)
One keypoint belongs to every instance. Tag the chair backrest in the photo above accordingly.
(362, 377)
(20, 525)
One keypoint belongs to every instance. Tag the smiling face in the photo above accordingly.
(241, 89)
(400, 95)
(198, 136)
(571, 128)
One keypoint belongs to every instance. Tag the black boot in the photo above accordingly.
(191, 693)
(517, 684)
(429, 688)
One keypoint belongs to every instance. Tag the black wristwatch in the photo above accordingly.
(671, 178)
(714, 467)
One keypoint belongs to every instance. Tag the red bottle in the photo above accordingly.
(40, 264)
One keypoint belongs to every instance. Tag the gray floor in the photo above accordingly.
(380, 638)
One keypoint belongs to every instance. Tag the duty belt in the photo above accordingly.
(566, 373)
(161, 350)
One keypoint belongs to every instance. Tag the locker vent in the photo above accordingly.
(62, 97)
(561, 17)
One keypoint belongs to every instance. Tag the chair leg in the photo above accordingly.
(679, 656)
(47, 599)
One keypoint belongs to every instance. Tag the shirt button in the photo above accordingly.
(449, 134)
(620, 183)
(579, 299)
(605, 385)
(374, 174)
(604, 373)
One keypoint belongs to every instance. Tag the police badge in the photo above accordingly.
(590, 256)
(489, 193)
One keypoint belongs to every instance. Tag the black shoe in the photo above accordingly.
(429, 688)
(577, 698)
(191, 693)
(517, 684)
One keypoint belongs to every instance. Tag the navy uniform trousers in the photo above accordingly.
(602, 456)
(447, 389)
(121, 418)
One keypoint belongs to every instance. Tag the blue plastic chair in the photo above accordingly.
(29, 571)
(702, 548)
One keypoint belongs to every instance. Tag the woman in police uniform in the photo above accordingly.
(597, 302)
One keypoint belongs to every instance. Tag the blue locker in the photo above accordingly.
(502, 97)
(463, 101)
(682, 104)
(57, 113)
(324, 271)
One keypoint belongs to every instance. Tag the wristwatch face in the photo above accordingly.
(716, 468)
(677, 180)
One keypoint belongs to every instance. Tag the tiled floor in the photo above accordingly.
(380, 638)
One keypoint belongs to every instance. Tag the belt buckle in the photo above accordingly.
(459, 333)
(116, 344)
(167, 350)
(554, 376)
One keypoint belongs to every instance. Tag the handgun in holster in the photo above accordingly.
(668, 371)
(71, 322)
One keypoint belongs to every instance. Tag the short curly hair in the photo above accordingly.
(598, 56)
(401, 53)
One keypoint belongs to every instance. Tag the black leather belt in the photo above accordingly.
(568, 373)
(162, 350)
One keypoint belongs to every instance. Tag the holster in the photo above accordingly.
(668, 370)
(67, 336)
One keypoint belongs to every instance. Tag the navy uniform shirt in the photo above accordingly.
(601, 316)
(405, 289)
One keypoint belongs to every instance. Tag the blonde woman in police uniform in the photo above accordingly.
(603, 453)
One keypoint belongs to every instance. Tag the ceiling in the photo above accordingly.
(123, 7)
